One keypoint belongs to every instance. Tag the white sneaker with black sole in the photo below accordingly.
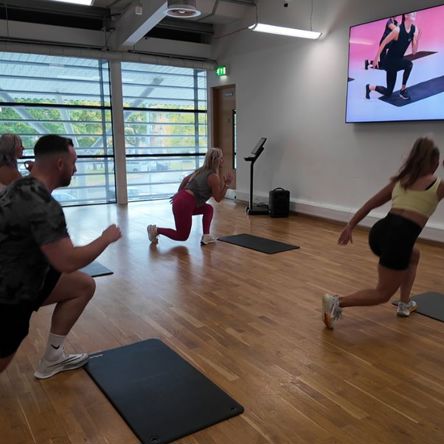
(46, 368)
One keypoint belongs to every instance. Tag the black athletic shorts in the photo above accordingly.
(393, 239)
(14, 319)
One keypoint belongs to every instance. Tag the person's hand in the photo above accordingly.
(376, 63)
(229, 178)
(112, 234)
(346, 235)
(29, 165)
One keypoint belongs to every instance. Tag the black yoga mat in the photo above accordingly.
(419, 55)
(258, 243)
(429, 304)
(160, 396)
(95, 269)
(417, 92)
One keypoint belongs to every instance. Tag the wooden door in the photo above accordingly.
(224, 125)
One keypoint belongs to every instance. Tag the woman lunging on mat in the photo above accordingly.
(11, 149)
(191, 198)
(390, 57)
(415, 193)
(390, 25)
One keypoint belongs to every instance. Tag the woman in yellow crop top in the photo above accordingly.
(415, 193)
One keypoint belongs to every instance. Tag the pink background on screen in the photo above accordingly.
(364, 39)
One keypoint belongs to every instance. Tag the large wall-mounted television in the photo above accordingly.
(396, 68)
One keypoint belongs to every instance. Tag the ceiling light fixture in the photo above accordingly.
(280, 30)
(76, 2)
(182, 9)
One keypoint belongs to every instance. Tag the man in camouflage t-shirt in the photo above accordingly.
(38, 262)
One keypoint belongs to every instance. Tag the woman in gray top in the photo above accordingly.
(191, 198)
(11, 149)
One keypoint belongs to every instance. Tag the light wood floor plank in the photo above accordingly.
(250, 322)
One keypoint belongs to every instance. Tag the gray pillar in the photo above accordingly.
(118, 131)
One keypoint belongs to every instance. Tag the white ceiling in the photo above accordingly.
(117, 26)
(213, 11)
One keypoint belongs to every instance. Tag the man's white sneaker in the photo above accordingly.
(404, 309)
(152, 233)
(207, 239)
(331, 311)
(46, 369)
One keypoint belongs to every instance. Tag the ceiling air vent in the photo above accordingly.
(182, 9)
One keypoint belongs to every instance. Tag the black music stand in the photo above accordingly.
(257, 150)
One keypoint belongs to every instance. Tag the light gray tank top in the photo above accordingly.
(200, 188)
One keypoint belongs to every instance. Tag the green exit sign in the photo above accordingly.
(221, 70)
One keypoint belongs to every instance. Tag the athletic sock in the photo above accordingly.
(54, 348)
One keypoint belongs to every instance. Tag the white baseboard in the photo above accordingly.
(230, 194)
(433, 231)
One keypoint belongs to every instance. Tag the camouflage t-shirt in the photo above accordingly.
(29, 217)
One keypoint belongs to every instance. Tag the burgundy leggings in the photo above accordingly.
(184, 208)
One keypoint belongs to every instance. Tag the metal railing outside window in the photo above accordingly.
(165, 114)
(41, 94)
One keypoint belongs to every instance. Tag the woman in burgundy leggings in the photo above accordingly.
(191, 198)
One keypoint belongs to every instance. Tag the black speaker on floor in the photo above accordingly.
(279, 202)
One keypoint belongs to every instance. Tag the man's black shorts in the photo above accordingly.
(14, 319)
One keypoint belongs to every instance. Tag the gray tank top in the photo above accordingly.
(200, 188)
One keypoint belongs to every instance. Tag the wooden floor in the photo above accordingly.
(251, 322)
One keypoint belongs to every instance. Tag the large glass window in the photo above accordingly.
(165, 113)
(42, 94)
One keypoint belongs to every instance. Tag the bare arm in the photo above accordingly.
(66, 258)
(415, 41)
(219, 187)
(392, 36)
(376, 201)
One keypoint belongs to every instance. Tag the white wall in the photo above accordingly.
(293, 92)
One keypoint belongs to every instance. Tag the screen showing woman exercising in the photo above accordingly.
(396, 68)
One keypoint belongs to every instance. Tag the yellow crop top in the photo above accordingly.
(420, 201)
